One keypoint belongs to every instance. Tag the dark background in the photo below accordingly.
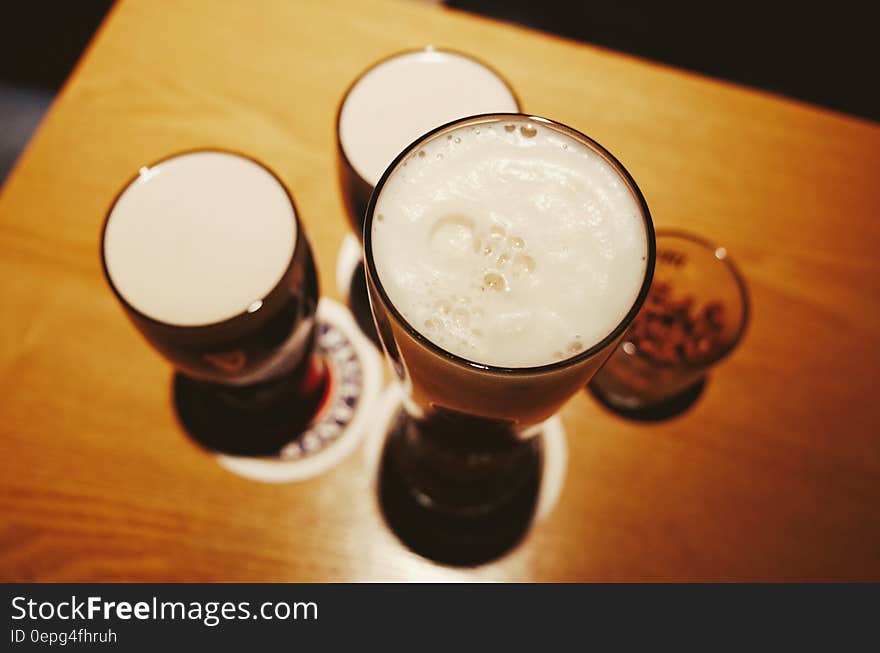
(821, 52)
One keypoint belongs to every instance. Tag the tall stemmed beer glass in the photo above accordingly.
(506, 255)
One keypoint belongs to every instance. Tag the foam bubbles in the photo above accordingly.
(494, 282)
(506, 248)
(453, 235)
(523, 265)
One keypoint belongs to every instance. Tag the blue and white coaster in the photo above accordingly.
(355, 377)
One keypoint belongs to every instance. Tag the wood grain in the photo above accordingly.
(774, 473)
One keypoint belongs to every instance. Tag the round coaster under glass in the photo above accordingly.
(279, 446)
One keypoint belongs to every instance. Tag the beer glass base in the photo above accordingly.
(459, 468)
(252, 420)
(460, 481)
(640, 409)
(289, 437)
(450, 537)
(461, 539)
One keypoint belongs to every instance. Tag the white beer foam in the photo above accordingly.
(200, 238)
(509, 243)
(406, 96)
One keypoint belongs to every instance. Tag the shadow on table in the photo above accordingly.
(449, 539)
(359, 304)
(668, 409)
(241, 422)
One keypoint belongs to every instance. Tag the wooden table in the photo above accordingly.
(773, 474)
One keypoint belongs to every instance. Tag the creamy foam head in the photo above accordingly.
(406, 96)
(199, 238)
(509, 243)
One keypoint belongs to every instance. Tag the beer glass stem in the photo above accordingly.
(464, 465)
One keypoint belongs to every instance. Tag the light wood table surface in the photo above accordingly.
(773, 474)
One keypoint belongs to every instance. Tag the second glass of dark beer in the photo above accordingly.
(398, 99)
